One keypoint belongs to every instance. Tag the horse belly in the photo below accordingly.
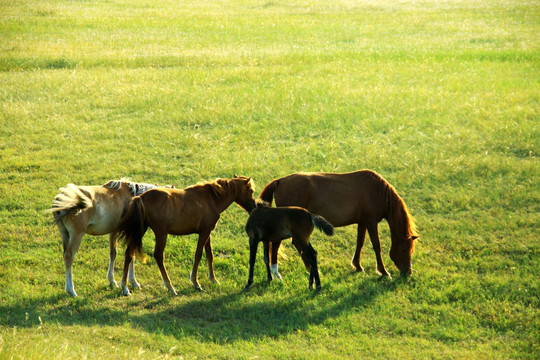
(101, 228)
(103, 222)
(337, 208)
(187, 223)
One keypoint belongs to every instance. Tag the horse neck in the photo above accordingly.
(398, 219)
(223, 199)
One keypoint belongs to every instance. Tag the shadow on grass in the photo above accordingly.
(223, 319)
(244, 316)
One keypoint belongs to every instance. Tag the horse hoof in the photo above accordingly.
(357, 268)
(173, 292)
(113, 284)
(126, 292)
(198, 287)
(248, 285)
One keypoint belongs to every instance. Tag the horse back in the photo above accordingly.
(178, 211)
(342, 199)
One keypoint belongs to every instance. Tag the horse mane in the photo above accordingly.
(219, 186)
(134, 188)
(214, 186)
(402, 223)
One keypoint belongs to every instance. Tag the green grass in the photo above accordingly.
(441, 98)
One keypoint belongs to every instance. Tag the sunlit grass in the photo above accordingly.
(441, 98)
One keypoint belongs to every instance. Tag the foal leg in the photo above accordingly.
(304, 256)
(314, 273)
(159, 249)
(274, 249)
(113, 244)
(266, 246)
(374, 236)
(210, 260)
(355, 262)
(253, 243)
(203, 238)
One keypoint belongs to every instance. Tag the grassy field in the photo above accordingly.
(442, 98)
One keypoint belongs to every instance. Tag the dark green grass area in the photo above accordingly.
(440, 98)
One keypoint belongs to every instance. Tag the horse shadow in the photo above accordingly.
(228, 318)
(242, 315)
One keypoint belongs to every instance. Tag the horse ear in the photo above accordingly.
(235, 176)
(414, 237)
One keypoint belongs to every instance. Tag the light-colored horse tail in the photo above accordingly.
(70, 199)
(322, 224)
(132, 228)
(267, 194)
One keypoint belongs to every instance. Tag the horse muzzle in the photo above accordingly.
(406, 273)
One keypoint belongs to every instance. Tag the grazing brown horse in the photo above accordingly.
(361, 197)
(272, 225)
(94, 210)
(195, 209)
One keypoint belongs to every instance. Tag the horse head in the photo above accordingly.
(401, 254)
(245, 187)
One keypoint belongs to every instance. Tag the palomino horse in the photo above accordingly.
(94, 210)
(195, 209)
(361, 197)
(272, 225)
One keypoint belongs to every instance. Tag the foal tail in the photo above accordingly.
(132, 228)
(267, 193)
(322, 224)
(69, 200)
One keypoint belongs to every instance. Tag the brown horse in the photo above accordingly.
(361, 197)
(195, 209)
(94, 210)
(272, 225)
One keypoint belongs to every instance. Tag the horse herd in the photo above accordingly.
(304, 201)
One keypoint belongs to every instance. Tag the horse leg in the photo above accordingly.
(159, 249)
(355, 262)
(210, 260)
(304, 256)
(128, 260)
(253, 243)
(314, 273)
(201, 243)
(70, 249)
(266, 246)
(113, 244)
(374, 236)
(274, 249)
(64, 235)
(131, 276)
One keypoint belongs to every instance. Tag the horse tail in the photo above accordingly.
(322, 224)
(267, 193)
(70, 199)
(132, 228)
